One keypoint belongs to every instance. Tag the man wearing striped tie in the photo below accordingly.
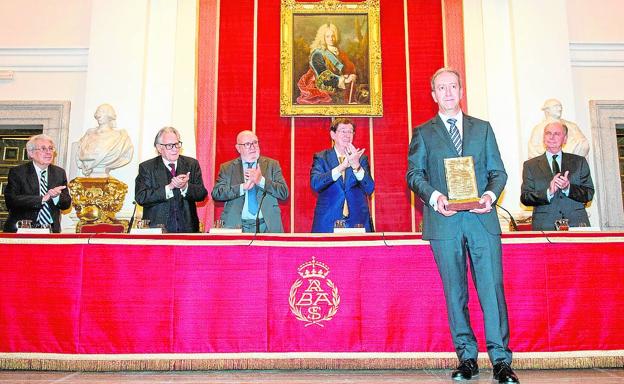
(37, 190)
(464, 239)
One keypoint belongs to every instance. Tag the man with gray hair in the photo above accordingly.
(37, 191)
(556, 184)
(169, 185)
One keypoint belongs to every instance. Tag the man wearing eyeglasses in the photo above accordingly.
(341, 177)
(169, 185)
(37, 191)
(251, 186)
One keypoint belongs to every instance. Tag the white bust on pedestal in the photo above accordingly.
(104, 148)
(98, 197)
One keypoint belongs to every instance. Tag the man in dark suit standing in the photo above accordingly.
(456, 236)
(37, 190)
(251, 186)
(341, 177)
(556, 184)
(169, 185)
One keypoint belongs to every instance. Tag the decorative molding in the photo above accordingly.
(597, 54)
(53, 115)
(6, 75)
(605, 114)
(44, 59)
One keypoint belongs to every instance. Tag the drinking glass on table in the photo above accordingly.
(24, 224)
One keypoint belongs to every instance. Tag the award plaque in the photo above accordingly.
(462, 184)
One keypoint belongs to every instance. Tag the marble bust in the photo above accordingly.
(577, 143)
(104, 148)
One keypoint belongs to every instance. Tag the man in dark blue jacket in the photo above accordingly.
(341, 177)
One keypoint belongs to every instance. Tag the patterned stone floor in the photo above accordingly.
(594, 376)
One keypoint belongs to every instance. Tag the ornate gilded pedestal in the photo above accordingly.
(97, 200)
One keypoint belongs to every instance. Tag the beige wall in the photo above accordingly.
(595, 21)
(522, 52)
(138, 55)
(597, 61)
(65, 22)
(45, 44)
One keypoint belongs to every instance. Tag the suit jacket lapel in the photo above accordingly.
(263, 164)
(543, 165)
(182, 167)
(332, 160)
(567, 163)
(54, 179)
(237, 172)
(161, 172)
(468, 136)
(32, 179)
(440, 129)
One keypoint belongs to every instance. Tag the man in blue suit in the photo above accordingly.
(341, 177)
(456, 236)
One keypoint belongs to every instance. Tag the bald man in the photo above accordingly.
(251, 185)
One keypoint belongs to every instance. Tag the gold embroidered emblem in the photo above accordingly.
(314, 305)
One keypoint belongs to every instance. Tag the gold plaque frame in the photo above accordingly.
(461, 183)
(366, 100)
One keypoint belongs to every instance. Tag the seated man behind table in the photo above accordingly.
(37, 190)
(250, 186)
(169, 185)
(556, 184)
(341, 177)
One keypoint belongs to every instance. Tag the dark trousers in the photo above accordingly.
(483, 250)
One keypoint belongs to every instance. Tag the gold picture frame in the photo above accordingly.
(339, 78)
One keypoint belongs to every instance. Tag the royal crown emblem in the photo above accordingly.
(319, 301)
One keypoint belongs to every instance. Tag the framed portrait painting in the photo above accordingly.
(330, 59)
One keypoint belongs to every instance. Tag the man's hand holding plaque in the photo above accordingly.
(486, 202)
(461, 183)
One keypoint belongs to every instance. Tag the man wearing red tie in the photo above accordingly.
(169, 185)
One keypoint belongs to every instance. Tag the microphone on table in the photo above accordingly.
(258, 214)
(514, 225)
(132, 218)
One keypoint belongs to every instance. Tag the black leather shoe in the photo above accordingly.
(504, 374)
(466, 370)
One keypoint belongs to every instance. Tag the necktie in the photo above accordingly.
(455, 137)
(555, 165)
(345, 207)
(44, 216)
(252, 201)
(172, 221)
(343, 173)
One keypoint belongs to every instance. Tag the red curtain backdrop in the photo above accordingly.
(414, 32)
